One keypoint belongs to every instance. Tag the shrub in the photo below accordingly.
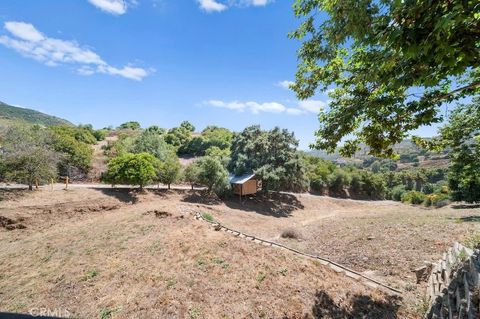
(357, 184)
(318, 185)
(428, 188)
(438, 200)
(132, 125)
(373, 185)
(338, 180)
(291, 233)
(413, 197)
(397, 192)
(208, 217)
(100, 135)
(429, 199)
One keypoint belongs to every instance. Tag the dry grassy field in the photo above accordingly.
(102, 253)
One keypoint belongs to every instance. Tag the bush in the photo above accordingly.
(428, 188)
(338, 180)
(397, 192)
(438, 200)
(291, 233)
(373, 185)
(100, 135)
(413, 197)
(318, 185)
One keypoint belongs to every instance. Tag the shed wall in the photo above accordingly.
(250, 187)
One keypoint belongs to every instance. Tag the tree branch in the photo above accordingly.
(467, 87)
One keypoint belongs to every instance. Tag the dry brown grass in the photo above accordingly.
(383, 239)
(105, 252)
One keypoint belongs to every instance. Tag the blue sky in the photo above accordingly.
(160, 62)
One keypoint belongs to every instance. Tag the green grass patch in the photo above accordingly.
(208, 217)
(90, 274)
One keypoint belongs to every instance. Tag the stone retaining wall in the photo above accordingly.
(453, 285)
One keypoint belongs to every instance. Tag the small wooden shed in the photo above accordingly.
(246, 184)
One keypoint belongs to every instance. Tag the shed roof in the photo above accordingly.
(240, 179)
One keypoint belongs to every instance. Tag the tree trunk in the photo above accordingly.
(168, 186)
(192, 187)
(30, 186)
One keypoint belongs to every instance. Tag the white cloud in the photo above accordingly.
(259, 2)
(212, 6)
(254, 107)
(221, 5)
(285, 84)
(272, 107)
(30, 42)
(313, 106)
(115, 7)
(24, 31)
(295, 111)
(303, 107)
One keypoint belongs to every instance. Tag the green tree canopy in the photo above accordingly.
(169, 170)
(188, 126)
(179, 137)
(132, 169)
(131, 125)
(212, 174)
(75, 144)
(156, 129)
(272, 155)
(191, 173)
(28, 155)
(462, 136)
(391, 64)
(217, 136)
(150, 141)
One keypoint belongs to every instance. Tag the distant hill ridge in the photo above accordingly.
(13, 114)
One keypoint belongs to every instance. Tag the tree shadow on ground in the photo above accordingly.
(272, 204)
(465, 206)
(163, 192)
(201, 197)
(359, 306)
(125, 195)
(469, 219)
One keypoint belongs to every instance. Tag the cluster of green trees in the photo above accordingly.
(389, 67)
(36, 154)
(145, 156)
(272, 155)
(377, 182)
(182, 139)
(462, 137)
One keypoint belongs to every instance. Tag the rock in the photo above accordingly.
(370, 237)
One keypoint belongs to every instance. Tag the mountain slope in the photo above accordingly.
(11, 114)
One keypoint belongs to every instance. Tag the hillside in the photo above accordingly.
(11, 114)
(411, 155)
